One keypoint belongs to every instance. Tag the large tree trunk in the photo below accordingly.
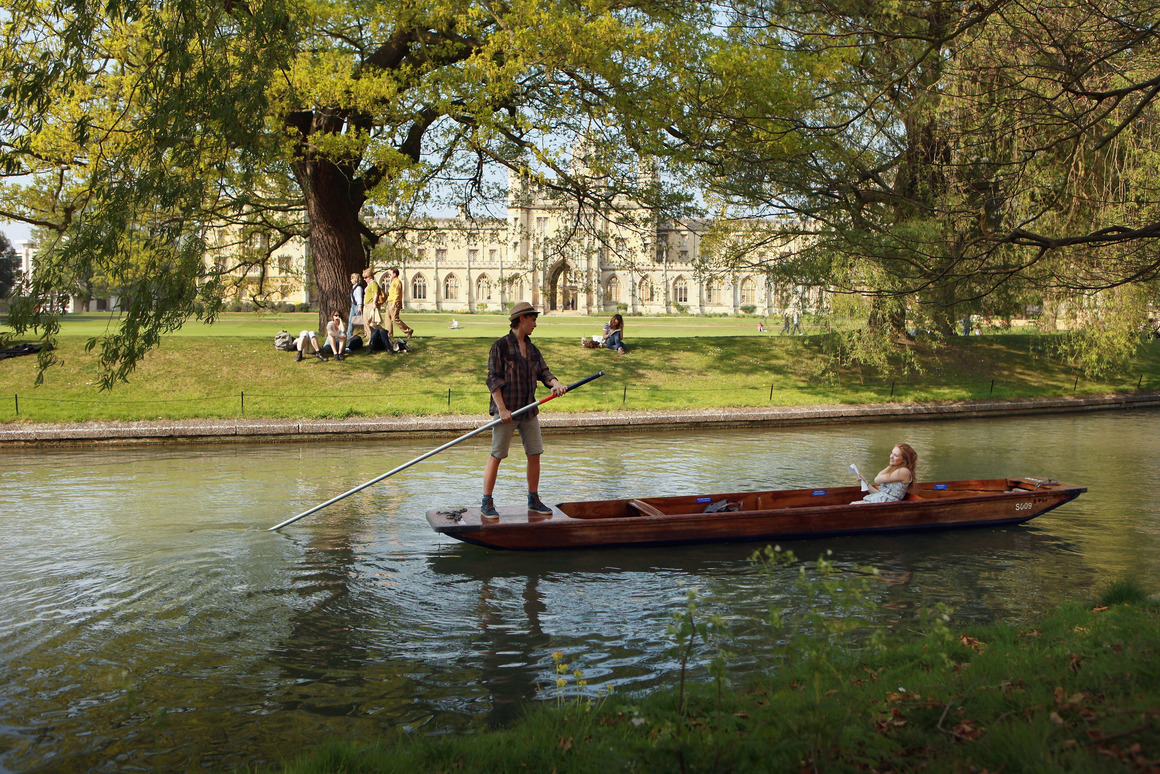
(333, 207)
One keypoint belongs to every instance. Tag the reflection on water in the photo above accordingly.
(150, 621)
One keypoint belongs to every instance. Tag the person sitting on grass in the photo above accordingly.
(895, 480)
(308, 340)
(614, 334)
(335, 335)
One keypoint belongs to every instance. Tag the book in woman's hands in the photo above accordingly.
(862, 481)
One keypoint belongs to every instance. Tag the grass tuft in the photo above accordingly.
(1123, 591)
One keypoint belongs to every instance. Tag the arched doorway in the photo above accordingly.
(563, 289)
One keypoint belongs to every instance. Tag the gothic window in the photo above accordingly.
(482, 288)
(451, 288)
(748, 291)
(681, 290)
(613, 289)
(419, 288)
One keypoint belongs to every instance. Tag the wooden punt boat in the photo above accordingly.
(774, 515)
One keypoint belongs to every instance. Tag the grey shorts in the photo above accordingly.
(529, 427)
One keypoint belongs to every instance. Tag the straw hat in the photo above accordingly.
(521, 308)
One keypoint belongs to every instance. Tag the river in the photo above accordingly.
(149, 622)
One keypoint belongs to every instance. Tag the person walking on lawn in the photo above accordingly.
(514, 365)
(394, 306)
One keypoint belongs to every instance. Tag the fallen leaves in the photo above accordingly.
(968, 730)
(972, 643)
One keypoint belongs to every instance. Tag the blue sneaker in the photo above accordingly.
(536, 506)
(487, 510)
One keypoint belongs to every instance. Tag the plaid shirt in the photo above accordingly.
(514, 375)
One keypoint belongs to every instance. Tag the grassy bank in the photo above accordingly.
(1074, 693)
(231, 369)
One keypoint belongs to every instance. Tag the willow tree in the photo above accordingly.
(130, 129)
(945, 157)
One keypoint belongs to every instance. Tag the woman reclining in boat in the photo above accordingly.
(895, 480)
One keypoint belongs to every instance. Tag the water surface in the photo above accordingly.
(150, 622)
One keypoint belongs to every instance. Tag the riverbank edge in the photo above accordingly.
(1069, 692)
(293, 430)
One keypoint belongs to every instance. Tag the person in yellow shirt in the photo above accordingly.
(372, 317)
(395, 305)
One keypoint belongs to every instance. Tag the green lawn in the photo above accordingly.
(231, 369)
(257, 324)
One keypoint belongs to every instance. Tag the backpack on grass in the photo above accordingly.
(283, 341)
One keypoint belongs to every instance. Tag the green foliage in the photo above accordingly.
(9, 267)
(936, 154)
(832, 606)
(687, 629)
(876, 345)
(1111, 327)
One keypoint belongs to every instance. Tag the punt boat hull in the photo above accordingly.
(770, 515)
